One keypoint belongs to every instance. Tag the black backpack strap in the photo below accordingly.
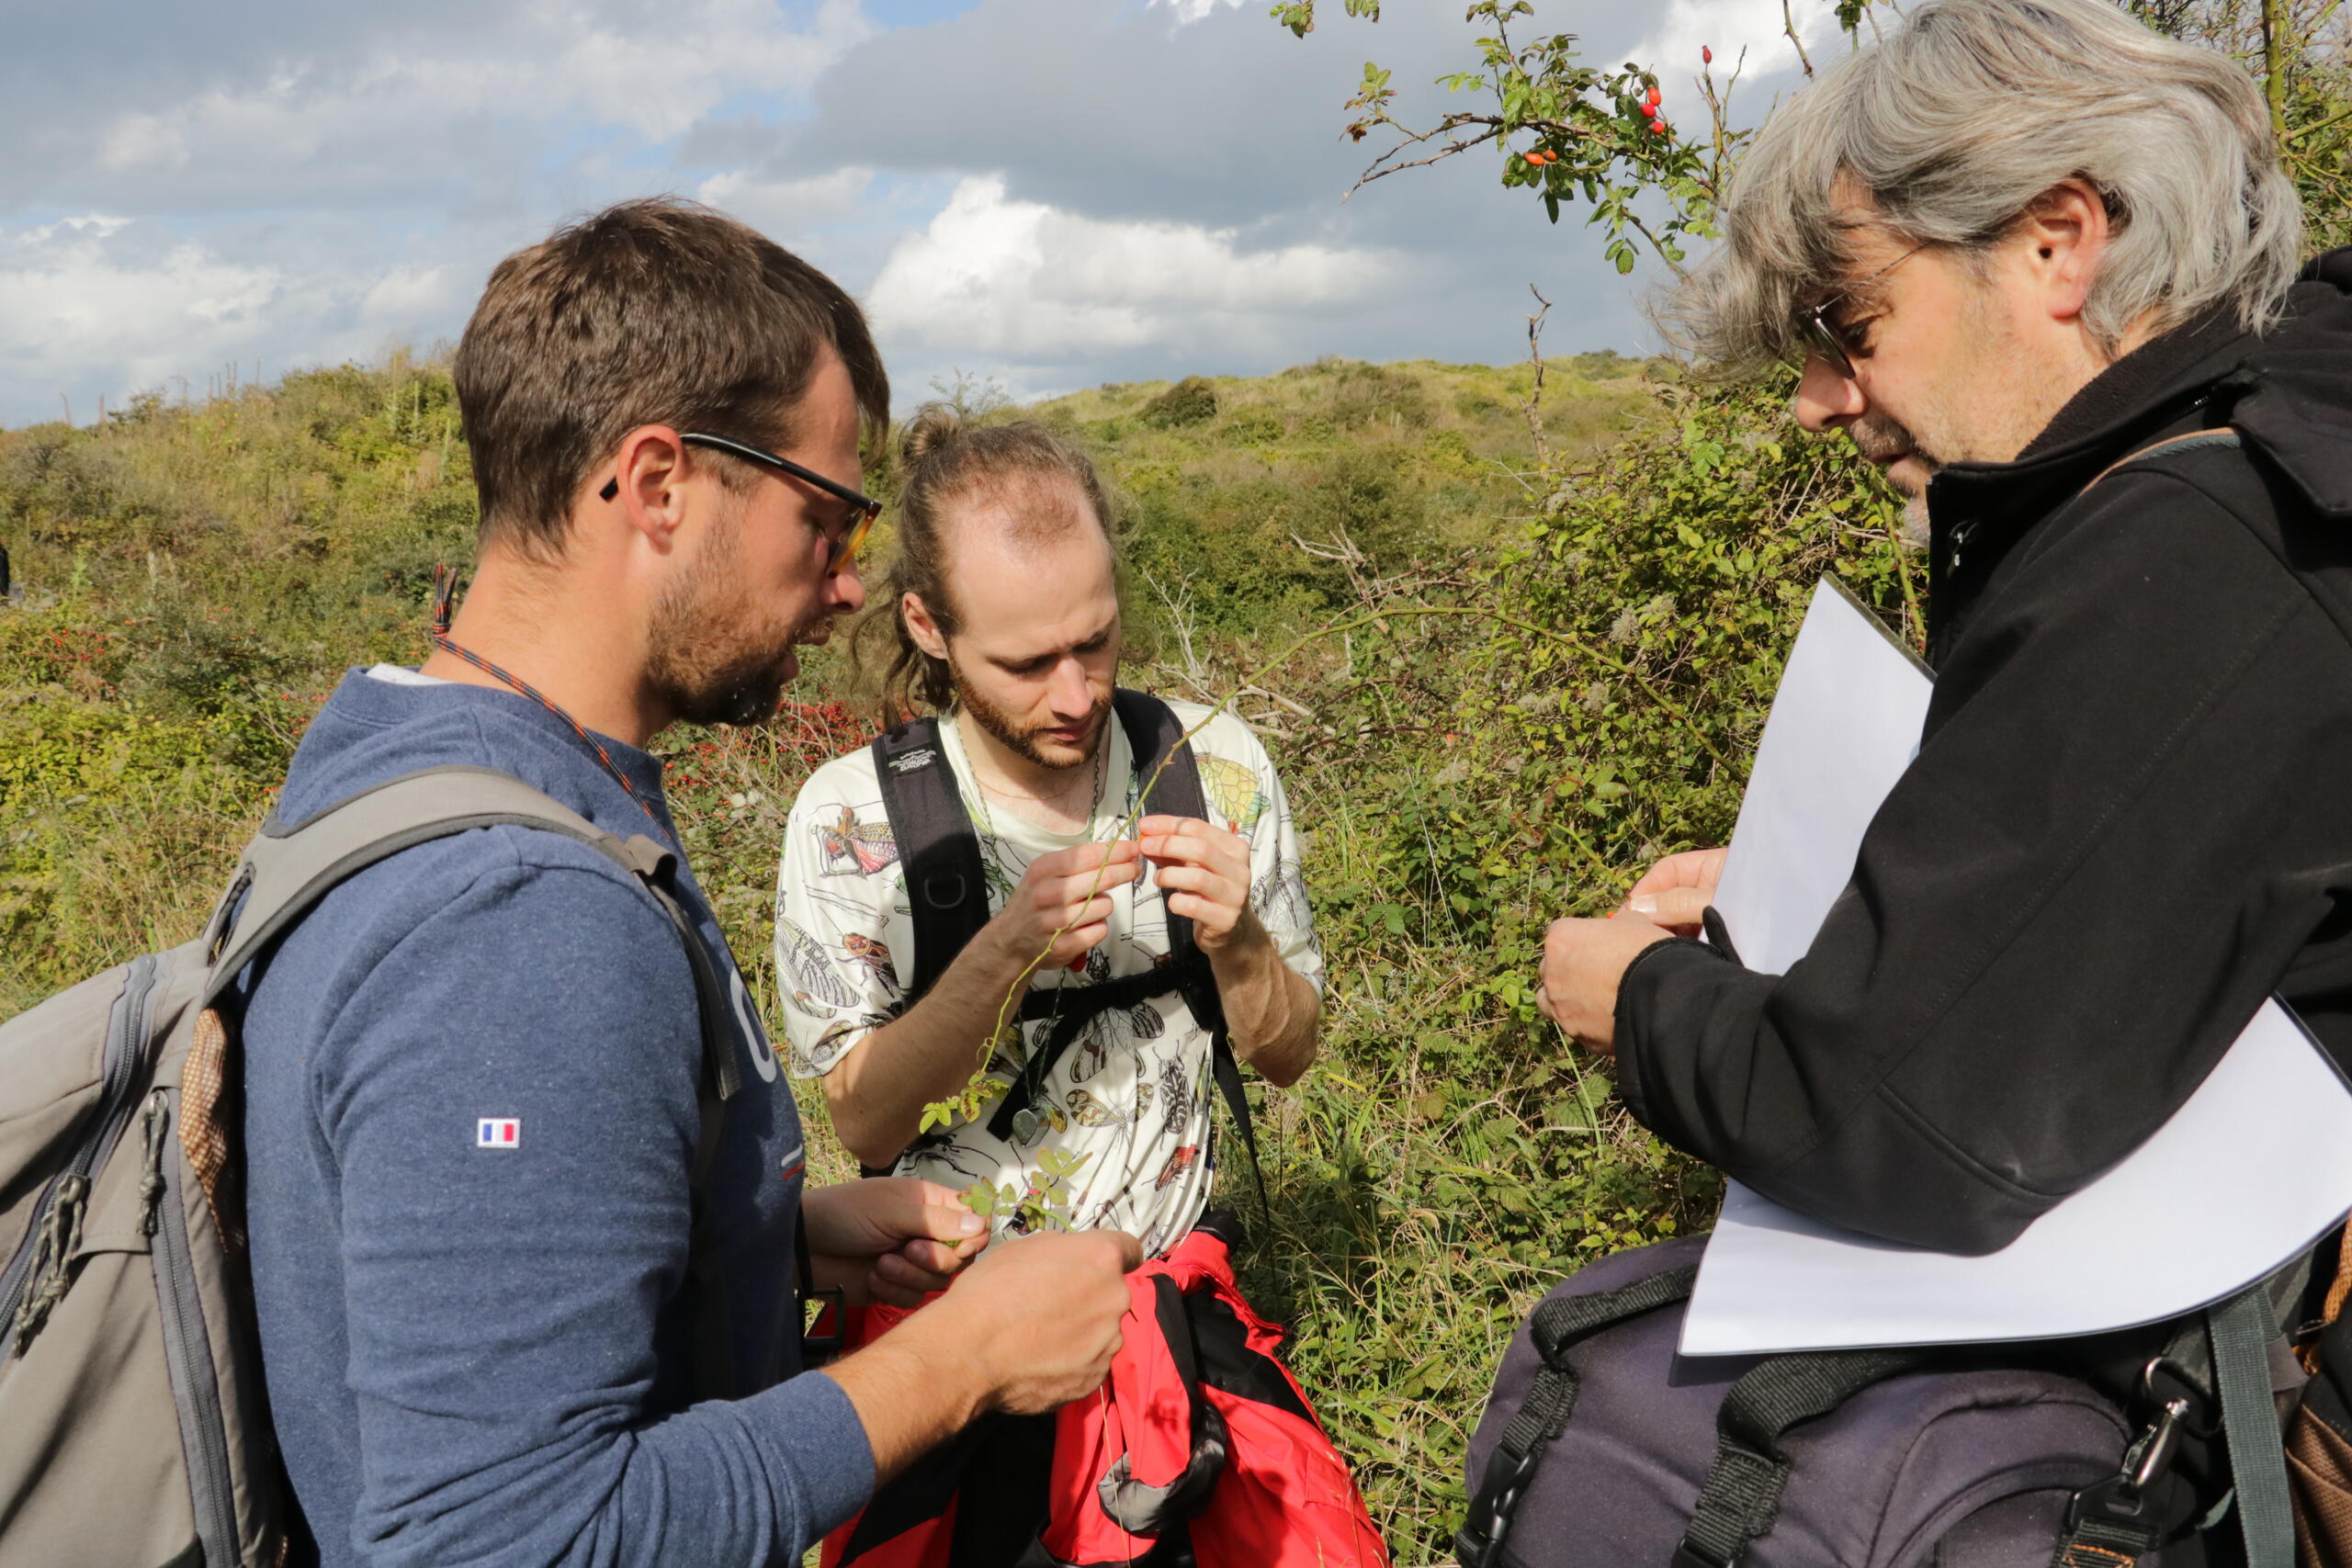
(1558, 1326)
(947, 885)
(1164, 762)
(1742, 1493)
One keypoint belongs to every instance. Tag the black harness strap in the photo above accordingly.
(1155, 735)
(1558, 1326)
(946, 885)
(1741, 1496)
(947, 893)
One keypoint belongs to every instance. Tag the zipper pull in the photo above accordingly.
(60, 1232)
(152, 1120)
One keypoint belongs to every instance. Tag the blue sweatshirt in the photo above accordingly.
(474, 1344)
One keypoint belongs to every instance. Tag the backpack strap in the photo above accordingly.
(947, 888)
(1165, 766)
(2242, 1329)
(288, 868)
(2194, 441)
(1558, 1326)
(1741, 1496)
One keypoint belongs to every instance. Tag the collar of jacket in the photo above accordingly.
(2288, 392)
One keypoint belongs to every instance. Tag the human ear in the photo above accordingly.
(650, 474)
(2066, 234)
(920, 627)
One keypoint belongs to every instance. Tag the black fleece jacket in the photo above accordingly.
(2131, 816)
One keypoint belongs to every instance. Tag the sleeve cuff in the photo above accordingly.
(817, 1445)
(1651, 967)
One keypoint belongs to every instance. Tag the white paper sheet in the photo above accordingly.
(2251, 1170)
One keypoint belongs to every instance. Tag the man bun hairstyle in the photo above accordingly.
(658, 312)
(1956, 123)
(945, 460)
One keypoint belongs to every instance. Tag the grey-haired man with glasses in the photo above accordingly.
(2040, 265)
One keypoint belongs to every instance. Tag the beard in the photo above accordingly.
(713, 656)
(1030, 743)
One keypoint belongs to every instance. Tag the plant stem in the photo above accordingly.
(2278, 53)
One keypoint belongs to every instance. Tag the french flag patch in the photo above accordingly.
(498, 1133)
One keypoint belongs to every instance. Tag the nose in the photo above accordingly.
(846, 590)
(1071, 695)
(1826, 400)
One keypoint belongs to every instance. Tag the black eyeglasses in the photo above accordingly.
(839, 547)
(1827, 339)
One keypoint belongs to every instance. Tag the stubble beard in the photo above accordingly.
(712, 657)
(1024, 743)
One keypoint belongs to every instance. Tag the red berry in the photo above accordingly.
(1706, 55)
(1653, 98)
(1657, 128)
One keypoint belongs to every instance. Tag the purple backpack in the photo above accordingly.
(1865, 1459)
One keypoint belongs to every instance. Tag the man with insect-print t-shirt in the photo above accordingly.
(1001, 614)
(1026, 943)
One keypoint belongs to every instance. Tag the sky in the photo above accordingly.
(1048, 193)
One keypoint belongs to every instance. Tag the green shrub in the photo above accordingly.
(1191, 401)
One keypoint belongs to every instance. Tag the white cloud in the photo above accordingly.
(1024, 281)
(100, 306)
(787, 209)
(1728, 26)
(1200, 10)
(370, 117)
(406, 298)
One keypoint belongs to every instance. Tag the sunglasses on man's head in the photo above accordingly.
(839, 547)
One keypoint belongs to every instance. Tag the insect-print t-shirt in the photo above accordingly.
(1133, 1097)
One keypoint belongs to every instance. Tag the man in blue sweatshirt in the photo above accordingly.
(470, 1109)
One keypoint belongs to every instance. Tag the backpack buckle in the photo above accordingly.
(1479, 1543)
(819, 1344)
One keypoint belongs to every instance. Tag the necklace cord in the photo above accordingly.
(444, 589)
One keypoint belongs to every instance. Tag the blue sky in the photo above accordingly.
(1050, 193)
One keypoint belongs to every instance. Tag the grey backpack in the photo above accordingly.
(1603, 1448)
(134, 1429)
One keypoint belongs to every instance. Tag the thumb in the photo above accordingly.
(1130, 1250)
(1671, 906)
(919, 1210)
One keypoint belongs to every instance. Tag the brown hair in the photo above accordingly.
(946, 460)
(659, 311)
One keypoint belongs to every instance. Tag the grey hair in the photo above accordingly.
(1955, 125)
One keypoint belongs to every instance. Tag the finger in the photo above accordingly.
(1129, 1249)
(1085, 910)
(1161, 824)
(1089, 884)
(1690, 868)
(901, 1208)
(931, 1256)
(1076, 942)
(1205, 881)
(1196, 845)
(1671, 905)
(1215, 920)
(882, 1288)
(915, 1273)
